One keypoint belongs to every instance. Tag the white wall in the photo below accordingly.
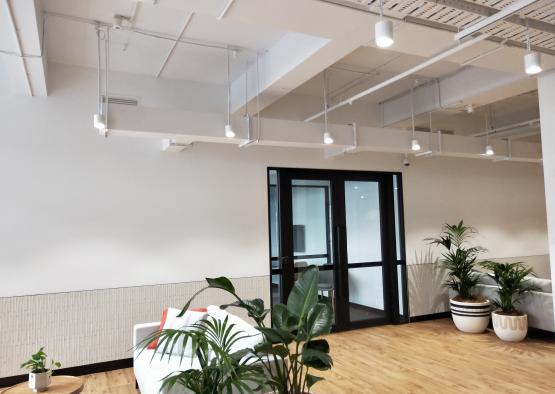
(82, 212)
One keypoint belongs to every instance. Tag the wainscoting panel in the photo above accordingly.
(87, 327)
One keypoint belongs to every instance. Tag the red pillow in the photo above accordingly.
(152, 345)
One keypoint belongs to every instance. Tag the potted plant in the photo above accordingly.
(470, 312)
(39, 377)
(513, 281)
(291, 348)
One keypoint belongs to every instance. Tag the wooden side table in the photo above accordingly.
(58, 385)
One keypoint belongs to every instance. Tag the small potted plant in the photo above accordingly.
(39, 377)
(470, 312)
(513, 281)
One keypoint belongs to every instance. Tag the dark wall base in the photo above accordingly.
(75, 371)
(433, 316)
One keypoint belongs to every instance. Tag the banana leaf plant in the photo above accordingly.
(291, 348)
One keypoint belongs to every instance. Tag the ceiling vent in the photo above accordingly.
(121, 101)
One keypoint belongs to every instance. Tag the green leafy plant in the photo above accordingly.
(513, 281)
(458, 259)
(38, 363)
(290, 349)
(221, 369)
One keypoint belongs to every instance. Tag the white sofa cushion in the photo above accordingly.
(250, 336)
(181, 323)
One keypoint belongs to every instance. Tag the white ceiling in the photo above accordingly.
(73, 42)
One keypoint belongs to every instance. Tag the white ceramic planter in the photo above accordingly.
(510, 328)
(471, 317)
(39, 381)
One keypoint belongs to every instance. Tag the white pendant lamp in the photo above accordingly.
(488, 150)
(532, 60)
(383, 30)
(228, 129)
(328, 139)
(414, 144)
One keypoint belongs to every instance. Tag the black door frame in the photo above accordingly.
(389, 262)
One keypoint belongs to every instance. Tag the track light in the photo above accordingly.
(489, 150)
(532, 59)
(99, 122)
(229, 133)
(328, 140)
(383, 31)
(532, 64)
(414, 145)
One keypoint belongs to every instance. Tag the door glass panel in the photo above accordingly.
(366, 300)
(274, 218)
(396, 214)
(362, 210)
(311, 222)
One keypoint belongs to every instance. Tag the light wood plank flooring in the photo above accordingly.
(427, 357)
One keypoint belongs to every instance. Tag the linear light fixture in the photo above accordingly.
(504, 13)
(226, 8)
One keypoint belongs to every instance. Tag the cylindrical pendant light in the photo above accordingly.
(414, 144)
(532, 60)
(383, 30)
(328, 139)
(98, 119)
(228, 130)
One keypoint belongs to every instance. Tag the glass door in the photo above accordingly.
(342, 222)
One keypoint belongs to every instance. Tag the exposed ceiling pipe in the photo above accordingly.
(489, 52)
(225, 9)
(434, 59)
(497, 131)
(19, 49)
(162, 36)
(486, 22)
(174, 45)
(104, 132)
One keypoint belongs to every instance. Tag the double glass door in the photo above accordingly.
(348, 223)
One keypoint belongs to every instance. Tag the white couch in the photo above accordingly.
(538, 305)
(150, 371)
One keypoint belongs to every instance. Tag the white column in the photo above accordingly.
(546, 92)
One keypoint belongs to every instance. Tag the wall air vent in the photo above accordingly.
(121, 101)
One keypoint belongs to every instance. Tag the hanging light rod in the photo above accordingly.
(504, 13)
(434, 59)
(189, 41)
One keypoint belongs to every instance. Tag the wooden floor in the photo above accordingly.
(427, 357)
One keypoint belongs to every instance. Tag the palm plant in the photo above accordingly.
(458, 259)
(512, 283)
(291, 348)
(212, 342)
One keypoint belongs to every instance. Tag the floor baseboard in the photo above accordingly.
(75, 371)
(432, 316)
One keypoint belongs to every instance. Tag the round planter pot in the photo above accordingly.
(39, 381)
(471, 317)
(510, 328)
